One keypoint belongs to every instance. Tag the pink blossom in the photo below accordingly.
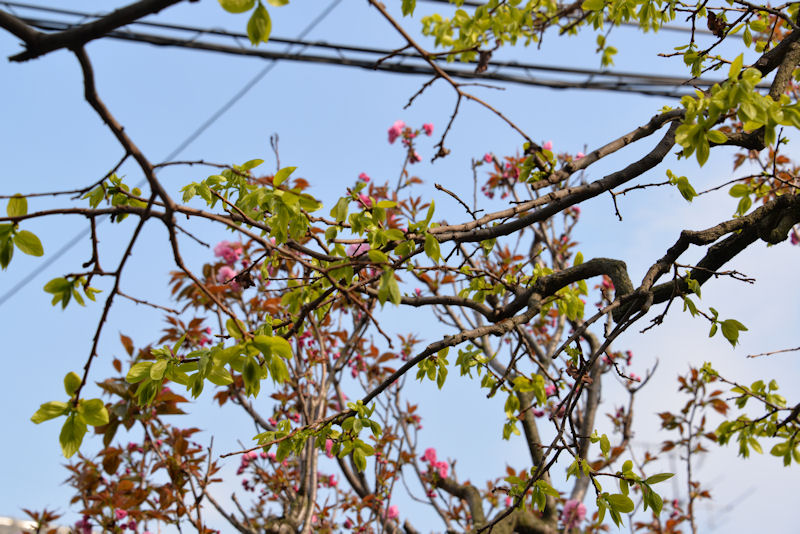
(415, 157)
(550, 389)
(364, 177)
(428, 128)
(579, 155)
(430, 455)
(329, 448)
(441, 468)
(224, 274)
(573, 513)
(509, 501)
(83, 526)
(794, 238)
(635, 377)
(393, 512)
(395, 130)
(365, 200)
(120, 514)
(230, 252)
(208, 330)
(272, 421)
(332, 481)
(348, 523)
(488, 158)
(548, 145)
(357, 249)
(272, 456)
(418, 291)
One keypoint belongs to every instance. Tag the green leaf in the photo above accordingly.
(339, 211)
(28, 243)
(593, 5)
(408, 7)
(71, 435)
(138, 372)
(716, 136)
(237, 6)
(259, 26)
(620, 503)
(730, 329)
(17, 206)
(661, 477)
(93, 412)
(57, 285)
(736, 67)
(388, 289)
(71, 383)
(278, 3)
(432, 248)
(269, 345)
(278, 370)
(702, 151)
(605, 445)
(739, 190)
(377, 256)
(282, 175)
(233, 329)
(157, 370)
(220, 376)
(359, 459)
(49, 410)
(6, 252)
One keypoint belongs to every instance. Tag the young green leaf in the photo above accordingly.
(71, 383)
(71, 435)
(17, 206)
(237, 6)
(49, 410)
(28, 243)
(93, 412)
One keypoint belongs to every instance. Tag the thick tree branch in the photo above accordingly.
(38, 44)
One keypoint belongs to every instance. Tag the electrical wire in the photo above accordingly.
(632, 82)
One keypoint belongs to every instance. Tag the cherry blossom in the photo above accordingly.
(229, 252)
(428, 127)
(396, 130)
(573, 513)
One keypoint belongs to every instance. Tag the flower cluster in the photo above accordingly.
(400, 130)
(573, 514)
(440, 468)
(228, 251)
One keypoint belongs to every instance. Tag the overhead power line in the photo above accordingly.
(175, 152)
(558, 77)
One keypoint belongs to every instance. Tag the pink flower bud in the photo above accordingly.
(363, 177)
(120, 514)
(548, 145)
(428, 129)
(579, 155)
(487, 158)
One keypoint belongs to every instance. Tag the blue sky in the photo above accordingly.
(332, 123)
